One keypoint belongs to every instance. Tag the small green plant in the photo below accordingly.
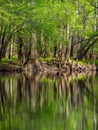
(47, 59)
(9, 61)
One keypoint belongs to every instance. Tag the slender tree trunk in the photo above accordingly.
(9, 54)
(96, 16)
(21, 56)
(68, 48)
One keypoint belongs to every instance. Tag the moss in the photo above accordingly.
(90, 62)
(47, 59)
(9, 61)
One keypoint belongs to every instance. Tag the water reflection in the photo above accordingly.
(48, 102)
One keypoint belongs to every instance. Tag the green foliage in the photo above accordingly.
(9, 61)
(90, 62)
(55, 22)
(47, 59)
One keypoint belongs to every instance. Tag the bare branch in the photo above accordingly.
(15, 30)
(87, 49)
(88, 39)
(94, 5)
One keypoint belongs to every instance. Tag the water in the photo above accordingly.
(48, 102)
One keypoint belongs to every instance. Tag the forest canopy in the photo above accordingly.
(48, 28)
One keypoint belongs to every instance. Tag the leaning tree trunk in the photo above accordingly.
(86, 49)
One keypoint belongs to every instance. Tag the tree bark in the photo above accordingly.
(32, 62)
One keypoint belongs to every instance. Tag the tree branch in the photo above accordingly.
(94, 5)
(18, 28)
(85, 51)
(87, 40)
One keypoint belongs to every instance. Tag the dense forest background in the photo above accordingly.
(58, 29)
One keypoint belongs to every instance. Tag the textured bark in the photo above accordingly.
(21, 55)
(32, 62)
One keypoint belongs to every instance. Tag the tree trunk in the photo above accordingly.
(32, 62)
(85, 50)
(10, 50)
(21, 55)
(68, 48)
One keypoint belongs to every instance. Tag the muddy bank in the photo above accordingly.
(51, 66)
(4, 68)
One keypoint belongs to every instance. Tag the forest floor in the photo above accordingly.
(52, 66)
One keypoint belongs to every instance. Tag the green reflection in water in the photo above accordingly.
(43, 102)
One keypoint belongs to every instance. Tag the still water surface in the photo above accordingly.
(48, 102)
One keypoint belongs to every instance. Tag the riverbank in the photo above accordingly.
(11, 67)
(67, 67)
(50, 66)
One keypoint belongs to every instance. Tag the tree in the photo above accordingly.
(10, 23)
(57, 25)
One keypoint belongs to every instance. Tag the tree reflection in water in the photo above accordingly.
(44, 101)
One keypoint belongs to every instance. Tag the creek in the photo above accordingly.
(48, 102)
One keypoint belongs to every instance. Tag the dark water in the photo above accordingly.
(48, 102)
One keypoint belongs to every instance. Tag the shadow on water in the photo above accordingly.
(48, 102)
